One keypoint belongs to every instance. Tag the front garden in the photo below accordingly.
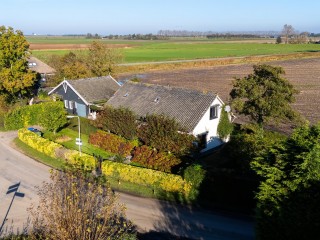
(134, 162)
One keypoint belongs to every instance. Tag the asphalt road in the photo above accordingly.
(156, 219)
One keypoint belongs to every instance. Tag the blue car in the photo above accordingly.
(36, 131)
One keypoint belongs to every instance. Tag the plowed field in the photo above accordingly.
(304, 74)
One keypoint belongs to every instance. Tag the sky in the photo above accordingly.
(149, 16)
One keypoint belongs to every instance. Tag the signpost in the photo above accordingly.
(12, 189)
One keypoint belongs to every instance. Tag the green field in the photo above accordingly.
(154, 51)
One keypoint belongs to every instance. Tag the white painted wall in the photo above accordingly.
(210, 126)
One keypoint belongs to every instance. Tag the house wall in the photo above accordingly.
(209, 126)
(70, 95)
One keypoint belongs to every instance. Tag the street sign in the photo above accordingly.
(79, 143)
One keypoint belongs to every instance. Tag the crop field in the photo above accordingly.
(171, 50)
(304, 74)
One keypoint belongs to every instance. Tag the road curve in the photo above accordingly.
(150, 215)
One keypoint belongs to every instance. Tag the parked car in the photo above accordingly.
(36, 131)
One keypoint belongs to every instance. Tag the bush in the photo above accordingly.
(162, 132)
(195, 175)
(153, 159)
(50, 115)
(225, 127)
(56, 150)
(120, 121)
(147, 177)
(112, 143)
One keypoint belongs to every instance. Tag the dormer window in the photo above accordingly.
(126, 95)
(157, 99)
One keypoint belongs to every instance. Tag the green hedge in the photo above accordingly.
(122, 172)
(50, 115)
(147, 177)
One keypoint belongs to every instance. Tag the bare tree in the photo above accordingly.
(73, 206)
(287, 32)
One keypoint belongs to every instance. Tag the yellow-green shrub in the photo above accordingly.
(41, 144)
(51, 149)
(147, 177)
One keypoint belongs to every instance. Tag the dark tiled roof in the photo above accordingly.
(96, 89)
(184, 105)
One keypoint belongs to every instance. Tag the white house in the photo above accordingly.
(197, 112)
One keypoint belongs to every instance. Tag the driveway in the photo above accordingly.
(156, 219)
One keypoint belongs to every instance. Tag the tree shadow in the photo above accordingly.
(183, 222)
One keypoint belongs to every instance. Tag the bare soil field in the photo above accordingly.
(304, 74)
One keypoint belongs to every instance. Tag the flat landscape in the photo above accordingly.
(229, 59)
(139, 51)
(304, 74)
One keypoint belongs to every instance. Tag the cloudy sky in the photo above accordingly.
(150, 16)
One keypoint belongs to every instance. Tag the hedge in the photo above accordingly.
(112, 143)
(56, 150)
(147, 177)
(123, 172)
(50, 115)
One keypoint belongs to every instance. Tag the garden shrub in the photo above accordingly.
(112, 143)
(120, 121)
(164, 133)
(194, 174)
(151, 158)
(56, 150)
(225, 127)
(147, 177)
(50, 115)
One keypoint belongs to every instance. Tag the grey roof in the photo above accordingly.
(185, 105)
(95, 89)
(38, 66)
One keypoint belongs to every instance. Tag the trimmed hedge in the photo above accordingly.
(147, 177)
(56, 150)
(122, 172)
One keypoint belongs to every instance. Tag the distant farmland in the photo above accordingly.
(155, 51)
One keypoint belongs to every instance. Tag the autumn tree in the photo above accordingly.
(264, 95)
(76, 206)
(103, 60)
(288, 196)
(16, 80)
(287, 32)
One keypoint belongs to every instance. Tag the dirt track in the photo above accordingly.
(303, 73)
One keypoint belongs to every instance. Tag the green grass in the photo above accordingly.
(43, 158)
(70, 144)
(152, 51)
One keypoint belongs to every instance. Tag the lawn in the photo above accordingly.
(67, 138)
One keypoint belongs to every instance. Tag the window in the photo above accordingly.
(214, 112)
(71, 104)
(66, 104)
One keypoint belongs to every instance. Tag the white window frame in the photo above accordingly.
(70, 104)
(215, 114)
(66, 103)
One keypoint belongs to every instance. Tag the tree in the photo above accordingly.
(102, 60)
(16, 80)
(75, 206)
(53, 116)
(279, 40)
(264, 95)
(287, 32)
(288, 196)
